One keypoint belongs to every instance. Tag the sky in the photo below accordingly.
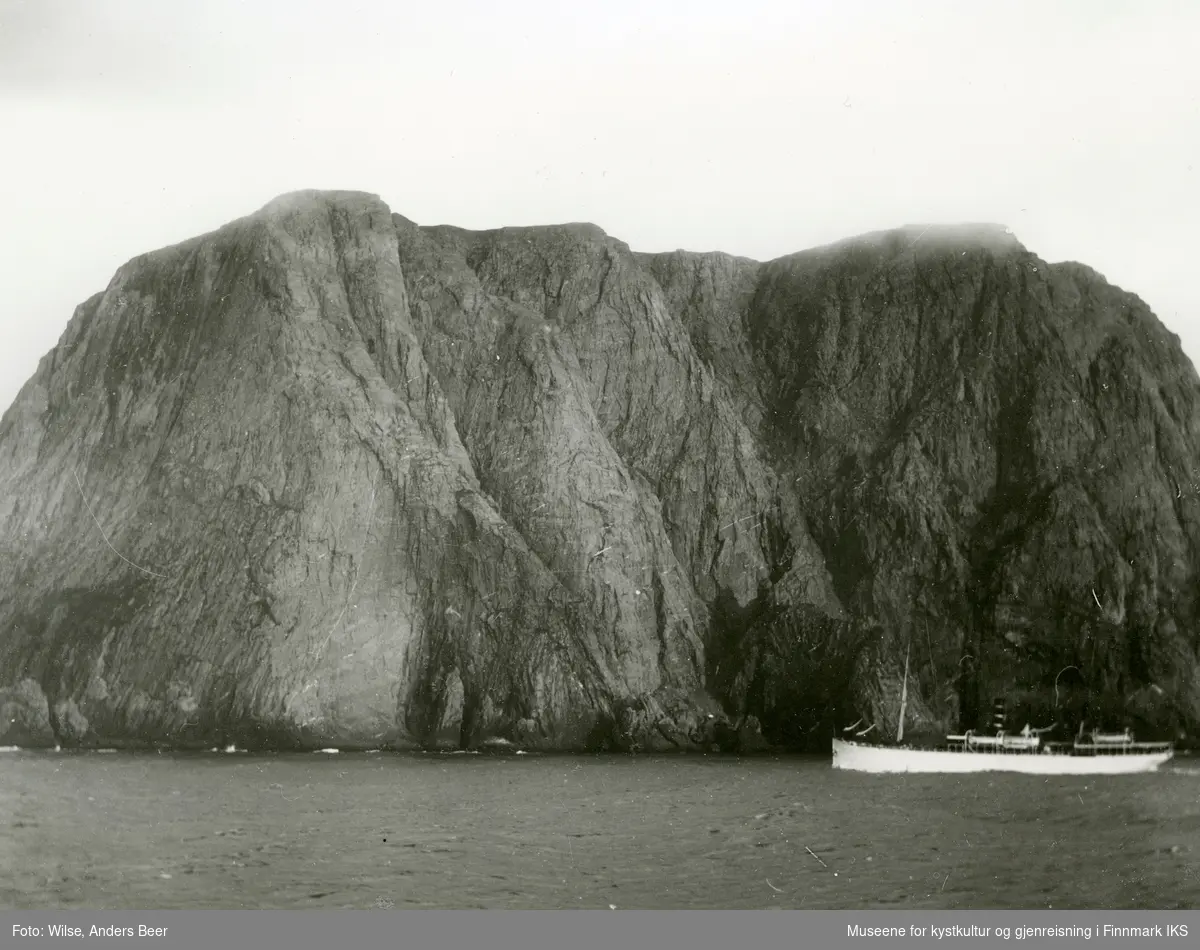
(758, 128)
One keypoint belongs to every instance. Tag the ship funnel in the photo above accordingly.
(999, 714)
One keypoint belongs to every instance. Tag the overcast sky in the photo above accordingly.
(758, 128)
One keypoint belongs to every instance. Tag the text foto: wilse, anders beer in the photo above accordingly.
(60, 930)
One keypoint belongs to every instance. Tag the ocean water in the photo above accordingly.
(358, 830)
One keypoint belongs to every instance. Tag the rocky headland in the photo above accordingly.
(328, 478)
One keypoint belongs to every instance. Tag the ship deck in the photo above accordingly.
(1048, 748)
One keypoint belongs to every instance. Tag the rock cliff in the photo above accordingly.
(325, 477)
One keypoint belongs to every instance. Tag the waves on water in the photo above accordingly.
(187, 830)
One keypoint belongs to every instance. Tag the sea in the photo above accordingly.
(360, 830)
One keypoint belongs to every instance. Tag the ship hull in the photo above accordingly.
(859, 757)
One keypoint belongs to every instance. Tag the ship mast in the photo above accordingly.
(903, 694)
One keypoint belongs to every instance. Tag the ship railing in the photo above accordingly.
(1020, 745)
(960, 744)
(997, 743)
(1125, 748)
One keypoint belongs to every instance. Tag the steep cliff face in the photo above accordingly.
(1002, 458)
(326, 477)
